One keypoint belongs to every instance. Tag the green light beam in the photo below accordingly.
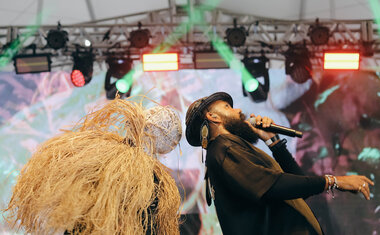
(375, 7)
(196, 17)
(250, 83)
(125, 83)
(16, 45)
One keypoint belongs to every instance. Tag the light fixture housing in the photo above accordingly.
(367, 48)
(118, 67)
(209, 60)
(319, 35)
(57, 39)
(236, 36)
(32, 63)
(258, 67)
(82, 68)
(140, 38)
(341, 60)
(160, 62)
(297, 63)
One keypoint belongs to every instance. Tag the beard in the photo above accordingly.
(237, 126)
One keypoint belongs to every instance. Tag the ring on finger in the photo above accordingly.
(360, 188)
(364, 185)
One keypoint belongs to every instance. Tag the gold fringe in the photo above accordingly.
(97, 179)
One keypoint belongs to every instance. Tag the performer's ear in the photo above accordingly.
(212, 117)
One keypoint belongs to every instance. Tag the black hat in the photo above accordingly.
(195, 118)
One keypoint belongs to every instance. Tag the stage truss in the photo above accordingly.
(265, 36)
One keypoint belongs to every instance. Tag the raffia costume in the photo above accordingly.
(102, 177)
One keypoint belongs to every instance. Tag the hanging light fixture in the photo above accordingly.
(118, 68)
(341, 60)
(160, 62)
(82, 68)
(236, 36)
(34, 63)
(297, 63)
(319, 35)
(140, 38)
(257, 67)
(57, 38)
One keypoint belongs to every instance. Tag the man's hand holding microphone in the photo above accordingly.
(265, 128)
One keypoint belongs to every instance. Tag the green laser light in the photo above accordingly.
(251, 85)
(122, 85)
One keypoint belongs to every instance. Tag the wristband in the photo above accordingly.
(332, 185)
(272, 140)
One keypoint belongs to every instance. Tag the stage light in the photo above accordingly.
(57, 38)
(251, 85)
(118, 67)
(34, 63)
(341, 61)
(258, 67)
(82, 68)
(367, 48)
(297, 63)
(87, 43)
(236, 36)
(209, 60)
(319, 35)
(140, 38)
(77, 78)
(123, 86)
(160, 62)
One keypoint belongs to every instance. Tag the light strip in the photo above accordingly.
(160, 62)
(346, 61)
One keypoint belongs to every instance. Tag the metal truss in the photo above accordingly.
(269, 36)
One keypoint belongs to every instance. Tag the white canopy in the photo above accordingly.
(24, 12)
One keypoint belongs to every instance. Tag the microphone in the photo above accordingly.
(277, 129)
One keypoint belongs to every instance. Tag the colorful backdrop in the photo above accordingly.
(339, 115)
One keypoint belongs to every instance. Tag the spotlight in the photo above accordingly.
(87, 43)
(139, 38)
(118, 68)
(258, 67)
(319, 35)
(236, 36)
(57, 38)
(82, 69)
(297, 63)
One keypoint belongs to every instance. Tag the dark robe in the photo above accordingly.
(240, 174)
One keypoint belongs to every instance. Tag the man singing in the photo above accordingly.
(252, 192)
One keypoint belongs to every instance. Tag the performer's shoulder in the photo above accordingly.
(221, 142)
(228, 139)
(219, 148)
